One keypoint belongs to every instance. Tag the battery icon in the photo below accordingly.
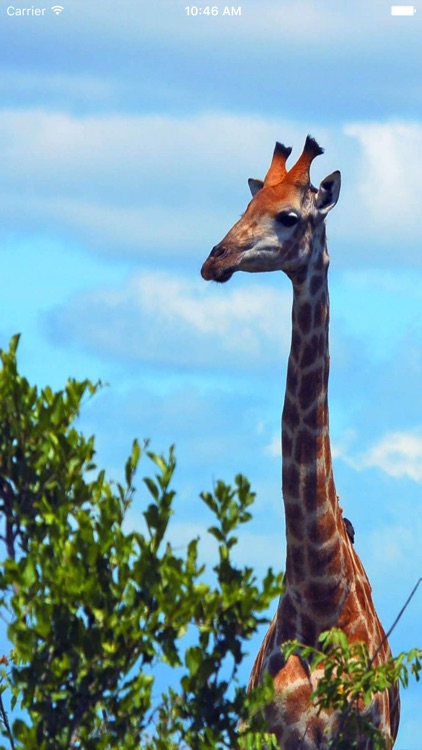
(403, 10)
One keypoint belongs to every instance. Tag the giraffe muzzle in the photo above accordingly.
(213, 269)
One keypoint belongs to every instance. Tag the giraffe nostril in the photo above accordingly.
(217, 251)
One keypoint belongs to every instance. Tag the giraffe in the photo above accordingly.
(283, 228)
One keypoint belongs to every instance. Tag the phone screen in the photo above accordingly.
(128, 132)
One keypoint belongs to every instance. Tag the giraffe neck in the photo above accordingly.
(314, 567)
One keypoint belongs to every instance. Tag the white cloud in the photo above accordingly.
(398, 454)
(389, 175)
(114, 153)
(131, 183)
(156, 185)
(162, 318)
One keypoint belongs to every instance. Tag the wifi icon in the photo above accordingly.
(57, 9)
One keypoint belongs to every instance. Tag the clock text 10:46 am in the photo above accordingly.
(213, 10)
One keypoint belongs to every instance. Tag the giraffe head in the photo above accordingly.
(283, 225)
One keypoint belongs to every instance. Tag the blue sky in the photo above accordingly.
(127, 133)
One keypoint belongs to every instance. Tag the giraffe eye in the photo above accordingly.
(287, 218)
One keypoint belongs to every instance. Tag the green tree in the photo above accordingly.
(94, 607)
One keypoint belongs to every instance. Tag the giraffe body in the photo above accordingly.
(283, 228)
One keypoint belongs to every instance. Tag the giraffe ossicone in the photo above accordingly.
(283, 228)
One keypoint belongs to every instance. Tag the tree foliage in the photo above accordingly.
(350, 680)
(95, 604)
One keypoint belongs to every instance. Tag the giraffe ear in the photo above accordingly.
(255, 185)
(328, 192)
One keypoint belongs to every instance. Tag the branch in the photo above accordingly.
(9, 500)
(387, 635)
(5, 720)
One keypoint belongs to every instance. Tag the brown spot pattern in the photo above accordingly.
(291, 479)
(290, 414)
(321, 529)
(326, 582)
(304, 451)
(304, 318)
(308, 390)
(310, 353)
(316, 283)
(320, 311)
(276, 663)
